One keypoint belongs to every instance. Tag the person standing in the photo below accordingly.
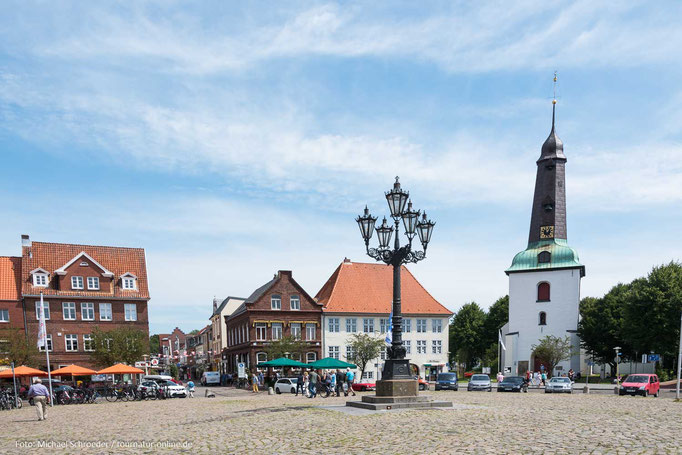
(349, 380)
(332, 376)
(306, 383)
(500, 377)
(313, 383)
(544, 378)
(41, 398)
(190, 388)
(340, 383)
(299, 383)
(254, 382)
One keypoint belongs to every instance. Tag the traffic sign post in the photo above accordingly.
(241, 370)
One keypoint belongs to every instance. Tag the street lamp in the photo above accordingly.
(396, 366)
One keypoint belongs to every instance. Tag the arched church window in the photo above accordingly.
(544, 257)
(543, 318)
(543, 292)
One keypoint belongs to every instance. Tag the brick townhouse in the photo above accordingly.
(281, 307)
(83, 286)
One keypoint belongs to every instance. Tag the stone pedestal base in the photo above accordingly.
(378, 403)
(397, 388)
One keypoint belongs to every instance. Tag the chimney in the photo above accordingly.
(282, 273)
(346, 260)
(25, 240)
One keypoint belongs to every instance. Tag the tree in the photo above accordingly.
(498, 315)
(365, 348)
(286, 346)
(122, 345)
(553, 350)
(154, 344)
(17, 347)
(467, 334)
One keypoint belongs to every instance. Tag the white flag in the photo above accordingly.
(500, 338)
(42, 331)
(389, 330)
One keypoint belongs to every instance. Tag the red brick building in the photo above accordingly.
(279, 308)
(83, 286)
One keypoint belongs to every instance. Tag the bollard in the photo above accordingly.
(270, 391)
(586, 389)
(615, 390)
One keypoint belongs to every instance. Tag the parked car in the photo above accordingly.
(559, 385)
(286, 385)
(512, 384)
(148, 387)
(210, 378)
(173, 389)
(447, 381)
(364, 386)
(640, 384)
(480, 382)
(423, 383)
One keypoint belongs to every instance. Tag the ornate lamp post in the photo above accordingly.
(397, 367)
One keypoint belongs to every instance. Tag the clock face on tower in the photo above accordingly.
(547, 232)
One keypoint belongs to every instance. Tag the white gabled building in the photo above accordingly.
(357, 298)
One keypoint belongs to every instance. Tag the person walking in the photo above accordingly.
(349, 381)
(41, 398)
(340, 383)
(332, 376)
(313, 377)
(300, 383)
(543, 377)
(500, 377)
(306, 383)
(254, 382)
(190, 388)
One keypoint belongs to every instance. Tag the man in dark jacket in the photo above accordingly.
(299, 383)
(340, 381)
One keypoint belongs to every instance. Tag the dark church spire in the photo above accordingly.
(548, 218)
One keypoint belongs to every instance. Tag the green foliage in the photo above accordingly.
(285, 347)
(16, 347)
(154, 344)
(552, 350)
(601, 326)
(194, 332)
(498, 315)
(174, 371)
(366, 348)
(124, 345)
(466, 334)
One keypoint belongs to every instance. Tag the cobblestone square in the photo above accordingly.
(237, 421)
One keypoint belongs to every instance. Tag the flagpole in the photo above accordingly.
(43, 327)
(14, 381)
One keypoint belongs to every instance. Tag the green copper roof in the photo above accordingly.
(562, 256)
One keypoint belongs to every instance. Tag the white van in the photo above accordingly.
(210, 378)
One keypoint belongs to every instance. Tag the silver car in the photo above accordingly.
(480, 382)
(559, 385)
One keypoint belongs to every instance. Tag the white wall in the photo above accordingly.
(524, 309)
(341, 339)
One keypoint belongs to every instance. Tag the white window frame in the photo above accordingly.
(436, 347)
(77, 283)
(368, 325)
(308, 329)
(352, 325)
(296, 325)
(101, 313)
(368, 375)
(276, 302)
(128, 283)
(350, 352)
(437, 325)
(261, 327)
(258, 357)
(87, 340)
(73, 339)
(382, 353)
(46, 309)
(277, 335)
(126, 309)
(2, 312)
(48, 338)
(334, 325)
(421, 346)
(407, 344)
(69, 307)
(297, 300)
(87, 306)
(333, 352)
(95, 280)
(311, 357)
(407, 325)
(421, 325)
(40, 280)
(384, 324)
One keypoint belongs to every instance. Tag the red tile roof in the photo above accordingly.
(368, 288)
(10, 277)
(52, 256)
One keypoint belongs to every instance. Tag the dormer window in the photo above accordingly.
(40, 280)
(76, 282)
(129, 282)
(93, 283)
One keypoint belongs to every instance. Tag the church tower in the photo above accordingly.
(544, 279)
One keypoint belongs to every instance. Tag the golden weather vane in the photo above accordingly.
(554, 98)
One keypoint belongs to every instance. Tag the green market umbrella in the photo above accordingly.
(283, 362)
(330, 363)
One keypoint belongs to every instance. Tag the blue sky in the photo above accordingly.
(233, 141)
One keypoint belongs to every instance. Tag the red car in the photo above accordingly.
(363, 386)
(640, 384)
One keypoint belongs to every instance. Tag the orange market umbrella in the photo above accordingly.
(119, 368)
(73, 370)
(21, 372)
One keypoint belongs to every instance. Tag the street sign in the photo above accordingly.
(141, 364)
(155, 362)
(654, 357)
(644, 358)
(241, 370)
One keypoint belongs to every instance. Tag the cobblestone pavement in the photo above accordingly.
(237, 421)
